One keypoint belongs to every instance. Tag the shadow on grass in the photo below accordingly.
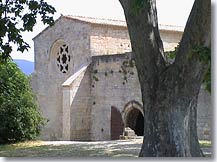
(73, 150)
(103, 149)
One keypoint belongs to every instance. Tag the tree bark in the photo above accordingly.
(169, 93)
(194, 143)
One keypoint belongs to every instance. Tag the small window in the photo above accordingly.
(63, 58)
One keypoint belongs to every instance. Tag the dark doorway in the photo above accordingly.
(135, 121)
(117, 125)
(139, 125)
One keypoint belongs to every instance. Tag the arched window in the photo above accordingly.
(61, 54)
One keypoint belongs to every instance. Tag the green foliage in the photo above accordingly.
(95, 78)
(204, 54)
(171, 55)
(126, 68)
(131, 63)
(95, 71)
(19, 117)
(128, 63)
(205, 143)
(17, 16)
(139, 4)
(207, 80)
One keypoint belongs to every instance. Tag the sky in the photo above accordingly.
(170, 12)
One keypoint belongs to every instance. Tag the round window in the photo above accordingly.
(63, 58)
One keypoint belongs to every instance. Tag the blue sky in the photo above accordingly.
(170, 12)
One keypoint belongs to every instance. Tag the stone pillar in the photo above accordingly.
(69, 89)
(66, 112)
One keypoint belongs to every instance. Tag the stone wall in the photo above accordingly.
(204, 115)
(47, 79)
(170, 39)
(109, 81)
(108, 40)
(81, 109)
(110, 88)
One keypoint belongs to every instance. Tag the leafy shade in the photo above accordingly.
(19, 118)
(17, 16)
(204, 54)
(138, 4)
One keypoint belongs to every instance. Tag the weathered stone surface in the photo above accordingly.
(129, 132)
(204, 115)
(78, 103)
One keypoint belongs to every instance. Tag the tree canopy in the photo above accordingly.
(17, 16)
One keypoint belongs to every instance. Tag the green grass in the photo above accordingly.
(77, 150)
(205, 144)
(14, 150)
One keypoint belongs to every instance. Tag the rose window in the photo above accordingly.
(63, 58)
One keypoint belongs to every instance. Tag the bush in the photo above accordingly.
(19, 118)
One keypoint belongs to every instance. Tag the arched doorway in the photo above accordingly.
(134, 117)
(117, 125)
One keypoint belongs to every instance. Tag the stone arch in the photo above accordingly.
(133, 117)
(60, 53)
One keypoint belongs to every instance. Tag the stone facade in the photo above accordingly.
(204, 117)
(86, 82)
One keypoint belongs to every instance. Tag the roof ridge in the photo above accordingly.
(109, 19)
(97, 18)
(112, 22)
(169, 25)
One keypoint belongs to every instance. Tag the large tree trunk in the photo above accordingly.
(169, 93)
(194, 143)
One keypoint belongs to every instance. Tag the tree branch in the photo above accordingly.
(144, 34)
(146, 42)
(6, 5)
(196, 34)
(146, 45)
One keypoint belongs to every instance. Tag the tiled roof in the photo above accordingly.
(122, 23)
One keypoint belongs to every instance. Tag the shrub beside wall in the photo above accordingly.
(19, 118)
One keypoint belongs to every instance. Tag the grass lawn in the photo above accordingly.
(79, 149)
(205, 144)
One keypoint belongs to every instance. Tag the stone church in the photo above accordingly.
(86, 82)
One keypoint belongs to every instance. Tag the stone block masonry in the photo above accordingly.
(86, 82)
